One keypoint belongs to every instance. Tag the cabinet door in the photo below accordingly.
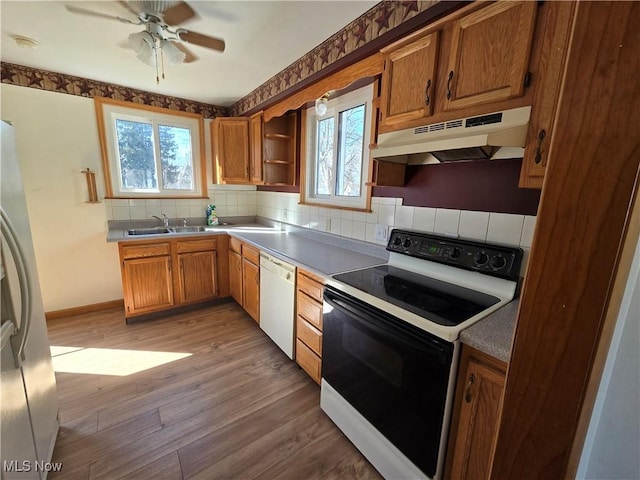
(147, 284)
(231, 140)
(197, 276)
(255, 137)
(479, 406)
(489, 54)
(251, 284)
(409, 81)
(235, 276)
(557, 28)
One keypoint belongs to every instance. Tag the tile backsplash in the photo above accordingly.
(230, 200)
(508, 229)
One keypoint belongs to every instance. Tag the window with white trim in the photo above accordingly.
(337, 151)
(151, 152)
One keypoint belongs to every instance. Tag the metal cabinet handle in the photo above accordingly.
(427, 98)
(449, 85)
(467, 389)
(541, 136)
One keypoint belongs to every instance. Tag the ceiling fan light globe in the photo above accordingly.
(142, 43)
(172, 55)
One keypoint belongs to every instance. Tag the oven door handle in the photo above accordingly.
(388, 325)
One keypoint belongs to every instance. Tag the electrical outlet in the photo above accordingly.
(327, 224)
(381, 233)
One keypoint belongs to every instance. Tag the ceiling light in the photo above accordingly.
(25, 42)
(171, 53)
(321, 104)
(153, 49)
(143, 44)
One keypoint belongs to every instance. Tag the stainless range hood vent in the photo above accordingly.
(470, 138)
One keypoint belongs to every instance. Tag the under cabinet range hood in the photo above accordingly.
(494, 135)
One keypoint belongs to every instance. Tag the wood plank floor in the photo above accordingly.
(235, 408)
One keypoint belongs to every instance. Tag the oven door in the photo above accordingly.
(393, 373)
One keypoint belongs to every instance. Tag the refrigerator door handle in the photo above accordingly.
(20, 338)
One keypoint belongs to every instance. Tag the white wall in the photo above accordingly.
(57, 138)
(612, 444)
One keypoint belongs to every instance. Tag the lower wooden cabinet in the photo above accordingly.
(244, 276)
(309, 288)
(476, 412)
(159, 275)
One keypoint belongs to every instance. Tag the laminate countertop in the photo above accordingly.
(493, 334)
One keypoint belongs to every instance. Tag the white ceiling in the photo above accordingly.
(262, 38)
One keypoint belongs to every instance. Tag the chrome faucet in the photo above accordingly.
(164, 220)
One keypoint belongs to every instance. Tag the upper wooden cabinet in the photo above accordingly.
(255, 144)
(230, 141)
(489, 55)
(473, 62)
(558, 21)
(409, 80)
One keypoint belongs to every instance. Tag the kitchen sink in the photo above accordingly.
(189, 229)
(149, 231)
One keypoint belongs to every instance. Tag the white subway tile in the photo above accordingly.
(447, 221)
(108, 210)
(474, 225)
(346, 228)
(386, 214)
(137, 202)
(359, 230)
(370, 232)
(375, 200)
(359, 216)
(197, 211)
(182, 211)
(138, 213)
(424, 219)
(154, 210)
(527, 231)
(404, 217)
(346, 215)
(232, 198)
(119, 202)
(335, 226)
(121, 213)
(154, 202)
(336, 213)
(399, 201)
(387, 201)
(505, 228)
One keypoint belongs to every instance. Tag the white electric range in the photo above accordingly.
(390, 344)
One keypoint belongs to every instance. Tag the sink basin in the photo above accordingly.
(189, 229)
(149, 231)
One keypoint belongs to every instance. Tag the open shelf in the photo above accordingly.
(279, 150)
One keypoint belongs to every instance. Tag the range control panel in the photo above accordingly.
(495, 260)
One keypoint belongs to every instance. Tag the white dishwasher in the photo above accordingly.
(277, 297)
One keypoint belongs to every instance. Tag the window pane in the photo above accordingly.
(324, 156)
(175, 157)
(350, 140)
(136, 154)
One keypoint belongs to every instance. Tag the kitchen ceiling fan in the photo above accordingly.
(162, 38)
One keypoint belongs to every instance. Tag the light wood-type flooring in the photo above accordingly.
(235, 408)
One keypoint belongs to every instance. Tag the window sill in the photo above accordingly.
(336, 207)
(157, 197)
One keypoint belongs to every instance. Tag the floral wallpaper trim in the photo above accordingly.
(58, 82)
(379, 20)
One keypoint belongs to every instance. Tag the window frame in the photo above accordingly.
(361, 96)
(108, 110)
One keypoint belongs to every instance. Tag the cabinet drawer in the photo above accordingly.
(235, 245)
(140, 251)
(203, 245)
(310, 287)
(310, 335)
(308, 360)
(250, 253)
(310, 310)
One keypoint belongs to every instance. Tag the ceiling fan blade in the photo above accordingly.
(91, 13)
(202, 40)
(190, 56)
(126, 5)
(179, 13)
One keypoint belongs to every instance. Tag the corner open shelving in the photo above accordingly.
(279, 150)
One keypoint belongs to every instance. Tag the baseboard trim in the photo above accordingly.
(94, 307)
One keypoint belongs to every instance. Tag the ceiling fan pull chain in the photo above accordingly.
(162, 60)
(155, 51)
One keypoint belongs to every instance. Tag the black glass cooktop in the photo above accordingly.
(435, 300)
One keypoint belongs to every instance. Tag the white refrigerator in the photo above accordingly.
(28, 401)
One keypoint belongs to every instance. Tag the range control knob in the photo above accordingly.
(455, 253)
(397, 241)
(480, 258)
(498, 262)
(407, 242)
